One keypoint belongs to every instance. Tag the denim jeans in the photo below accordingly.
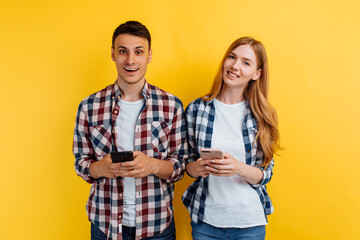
(128, 233)
(202, 230)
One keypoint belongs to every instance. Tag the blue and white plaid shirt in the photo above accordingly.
(200, 115)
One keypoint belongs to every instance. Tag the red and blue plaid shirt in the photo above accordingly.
(159, 133)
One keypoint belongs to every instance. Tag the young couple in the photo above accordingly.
(133, 199)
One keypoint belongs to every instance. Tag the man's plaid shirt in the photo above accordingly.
(200, 115)
(159, 133)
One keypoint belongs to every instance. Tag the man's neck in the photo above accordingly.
(131, 92)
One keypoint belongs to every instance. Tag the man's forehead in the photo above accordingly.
(130, 41)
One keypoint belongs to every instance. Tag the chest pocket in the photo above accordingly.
(101, 139)
(159, 136)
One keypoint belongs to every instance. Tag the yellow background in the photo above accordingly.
(55, 53)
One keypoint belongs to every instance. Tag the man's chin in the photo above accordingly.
(130, 80)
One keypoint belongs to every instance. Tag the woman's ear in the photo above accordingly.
(257, 75)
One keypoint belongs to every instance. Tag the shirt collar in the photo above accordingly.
(211, 103)
(116, 93)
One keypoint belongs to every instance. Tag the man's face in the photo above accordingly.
(131, 55)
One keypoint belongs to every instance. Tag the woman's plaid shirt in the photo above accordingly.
(200, 115)
(159, 133)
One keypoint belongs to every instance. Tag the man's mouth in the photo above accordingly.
(233, 75)
(131, 69)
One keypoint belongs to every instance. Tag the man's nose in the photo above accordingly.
(131, 58)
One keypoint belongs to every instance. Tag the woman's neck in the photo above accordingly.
(230, 95)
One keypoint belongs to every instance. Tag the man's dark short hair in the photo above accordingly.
(133, 28)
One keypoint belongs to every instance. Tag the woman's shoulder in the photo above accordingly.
(197, 104)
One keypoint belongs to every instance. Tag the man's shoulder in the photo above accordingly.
(97, 96)
(160, 94)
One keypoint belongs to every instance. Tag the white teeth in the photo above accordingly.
(131, 70)
(232, 75)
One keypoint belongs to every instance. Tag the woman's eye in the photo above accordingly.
(247, 63)
(231, 57)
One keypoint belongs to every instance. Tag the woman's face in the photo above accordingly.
(240, 67)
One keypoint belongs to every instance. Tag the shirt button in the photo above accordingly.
(115, 111)
(119, 216)
(99, 128)
(120, 195)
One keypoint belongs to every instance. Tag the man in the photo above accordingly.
(130, 200)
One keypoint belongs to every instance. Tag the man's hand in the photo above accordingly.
(141, 166)
(105, 168)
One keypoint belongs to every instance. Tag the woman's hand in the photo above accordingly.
(198, 168)
(229, 166)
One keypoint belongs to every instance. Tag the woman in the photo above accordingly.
(228, 200)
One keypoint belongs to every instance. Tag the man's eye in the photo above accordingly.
(139, 52)
(122, 52)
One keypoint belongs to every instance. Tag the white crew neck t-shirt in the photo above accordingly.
(125, 127)
(231, 201)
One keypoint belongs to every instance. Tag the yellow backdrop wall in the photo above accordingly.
(55, 53)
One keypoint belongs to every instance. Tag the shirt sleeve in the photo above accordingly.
(267, 175)
(178, 148)
(190, 134)
(82, 147)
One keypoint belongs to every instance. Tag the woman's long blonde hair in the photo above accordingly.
(256, 93)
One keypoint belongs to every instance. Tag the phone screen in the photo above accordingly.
(124, 156)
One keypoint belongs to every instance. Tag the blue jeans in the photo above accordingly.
(128, 233)
(202, 230)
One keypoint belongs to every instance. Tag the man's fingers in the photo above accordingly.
(134, 173)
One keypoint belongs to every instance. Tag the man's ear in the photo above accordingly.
(113, 54)
(150, 56)
(257, 75)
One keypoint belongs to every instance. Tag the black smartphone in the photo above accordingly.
(124, 156)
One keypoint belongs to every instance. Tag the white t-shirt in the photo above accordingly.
(231, 201)
(125, 129)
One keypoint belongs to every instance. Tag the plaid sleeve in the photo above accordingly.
(82, 147)
(177, 145)
(268, 172)
(190, 114)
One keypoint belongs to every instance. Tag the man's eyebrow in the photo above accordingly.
(138, 47)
